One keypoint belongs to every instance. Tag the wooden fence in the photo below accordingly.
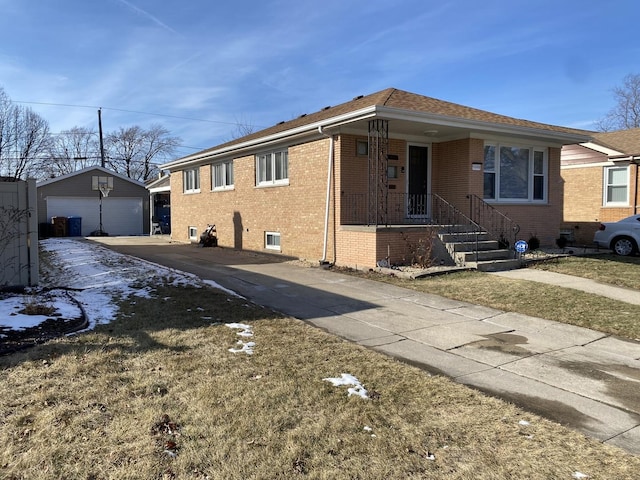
(18, 234)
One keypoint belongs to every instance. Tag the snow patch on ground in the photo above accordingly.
(96, 278)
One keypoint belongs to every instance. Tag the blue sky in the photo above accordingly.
(198, 67)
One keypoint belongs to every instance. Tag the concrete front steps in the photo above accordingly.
(477, 250)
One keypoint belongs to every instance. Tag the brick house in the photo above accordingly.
(363, 181)
(600, 182)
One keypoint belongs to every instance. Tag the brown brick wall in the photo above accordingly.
(244, 214)
(583, 209)
(453, 176)
(362, 247)
(297, 211)
(582, 193)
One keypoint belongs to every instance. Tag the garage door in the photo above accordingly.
(120, 216)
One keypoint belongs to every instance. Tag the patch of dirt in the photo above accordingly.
(54, 326)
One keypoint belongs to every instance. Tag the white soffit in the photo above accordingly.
(599, 148)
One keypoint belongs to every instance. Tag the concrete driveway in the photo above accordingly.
(580, 378)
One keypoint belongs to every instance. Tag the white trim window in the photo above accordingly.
(616, 186)
(193, 234)
(515, 173)
(272, 168)
(272, 240)
(191, 180)
(222, 175)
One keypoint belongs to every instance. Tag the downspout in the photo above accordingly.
(324, 261)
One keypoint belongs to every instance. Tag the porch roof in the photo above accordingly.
(625, 142)
(415, 114)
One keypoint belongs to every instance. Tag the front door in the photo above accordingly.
(418, 181)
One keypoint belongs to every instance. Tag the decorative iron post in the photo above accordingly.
(378, 179)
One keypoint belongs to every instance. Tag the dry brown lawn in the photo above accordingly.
(542, 300)
(158, 394)
(606, 268)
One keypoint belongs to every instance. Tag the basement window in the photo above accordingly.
(272, 240)
(193, 233)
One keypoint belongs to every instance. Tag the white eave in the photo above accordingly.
(387, 113)
(609, 152)
(274, 138)
(481, 125)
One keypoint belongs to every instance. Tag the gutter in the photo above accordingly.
(323, 260)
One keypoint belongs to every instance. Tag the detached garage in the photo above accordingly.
(98, 200)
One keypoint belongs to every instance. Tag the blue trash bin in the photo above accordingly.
(75, 226)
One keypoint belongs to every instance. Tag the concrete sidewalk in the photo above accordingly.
(580, 378)
(577, 283)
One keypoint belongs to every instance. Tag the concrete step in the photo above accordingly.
(495, 265)
(472, 246)
(483, 255)
(463, 237)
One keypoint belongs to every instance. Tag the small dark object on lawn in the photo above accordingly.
(209, 237)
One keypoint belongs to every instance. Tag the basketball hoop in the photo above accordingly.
(104, 189)
(102, 183)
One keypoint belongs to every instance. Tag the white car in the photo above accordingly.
(623, 236)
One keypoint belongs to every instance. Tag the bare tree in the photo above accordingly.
(24, 139)
(243, 127)
(134, 151)
(158, 146)
(72, 150)
(626, 113)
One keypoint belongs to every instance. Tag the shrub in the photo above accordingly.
(419, 253)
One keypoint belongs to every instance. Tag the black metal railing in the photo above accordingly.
(497, 225)
(406, 209)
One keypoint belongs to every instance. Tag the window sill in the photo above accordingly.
(191, 192)
(517, 202)
(273, 184)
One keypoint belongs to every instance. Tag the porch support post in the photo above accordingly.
(378, 180)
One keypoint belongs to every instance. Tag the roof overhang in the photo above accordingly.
(405, 122)
(263, 142)
(97, 168)
(609, 152)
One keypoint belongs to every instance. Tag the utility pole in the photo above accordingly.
(101, 142)
(102, 233)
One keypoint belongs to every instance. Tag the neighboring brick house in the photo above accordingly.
(600, 182)
(355, 183)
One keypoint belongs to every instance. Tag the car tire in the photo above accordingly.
(624, 246)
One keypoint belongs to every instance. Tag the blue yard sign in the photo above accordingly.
(521, 246)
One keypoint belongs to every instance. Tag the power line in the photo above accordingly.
(133, 111)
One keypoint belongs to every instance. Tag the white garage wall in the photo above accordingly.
(120, 216)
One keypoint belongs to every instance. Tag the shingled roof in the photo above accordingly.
(392, 98)
(626, 142)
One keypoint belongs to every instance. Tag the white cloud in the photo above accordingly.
(147, 15)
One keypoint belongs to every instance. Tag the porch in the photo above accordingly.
(402, 227)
